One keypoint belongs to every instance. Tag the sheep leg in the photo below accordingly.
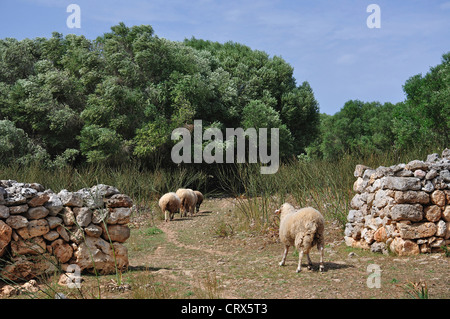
(321, 267)
(165, 216)
(300, 257)
(283, 260)
(309, 261)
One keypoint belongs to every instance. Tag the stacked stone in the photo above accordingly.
(404, 208)
(87, 227)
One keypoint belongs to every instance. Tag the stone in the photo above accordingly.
(431, 174)
(446, 153)
(37, 212)
(404, 173)
(400, 183)
(4, 211)
(61, 250)
(406, 212)
(99, 216)
(34, 246)
(118, 233)
(429, 187)
(21, 269)
(355, 216)
(446, 213)
(62, 231)
(90, 199)
(51, 235)
(54, 221)
(359, 170)
(17, 221)
(119, 200)
(438, 198)
(356, 202)
(379, 247)
(19, 209)
(54, 204)
(433, 157)
(68, 216)
(441, 228)
(35, 228)
(104, 190)
(83, 216)
(432, 213)
(99, 252)
(418, 230)
(445, 175)
(39, 200)
(411, 197)
(419, 174)
(360, 185)
(93, 230)
(416, 164)
(5, 237)
(119, 215)
(72, 199)
(383, 198)
(380, 235)
(15, 199)
(404, 247)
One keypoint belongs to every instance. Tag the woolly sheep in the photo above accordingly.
(188, 200)
(199, 200)
(303, 229)
(171, 203)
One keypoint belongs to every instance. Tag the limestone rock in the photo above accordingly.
(418, 230)
(119, 215)
(37, 212)
(412, 197)
(118, 233)
(119, 200)
(71, 199)
(401, 183)
(99, 252)
(17, 221)
(62, 250)
(404, 247)
(34, 228)
(432, 213)
(438, 198)
(5, 237)
(406, 212)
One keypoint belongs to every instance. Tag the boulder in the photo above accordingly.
(62, 250)
(411, 197)
(406, 212)
(17, 221)
(5, 237)
(438, 198)
(433, 213)
(417, 230)
(37, 212)
(119, 215)
(118, 233)
(83, 216)
(72, 199)
(401, 183)
(34, 228)
(34, 246)
(404, 247)
(99, 252)
(119, 200)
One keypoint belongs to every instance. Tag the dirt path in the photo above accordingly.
(193, 261)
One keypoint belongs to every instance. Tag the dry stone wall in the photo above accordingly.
(87, 228)
(403, 208)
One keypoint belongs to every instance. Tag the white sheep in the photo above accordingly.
(188, 200)
(199, 200)
(171, 203)
(302, 228)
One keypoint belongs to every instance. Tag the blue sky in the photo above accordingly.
(327, 42)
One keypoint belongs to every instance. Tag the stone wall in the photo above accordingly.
(41, 230)
(404, 208)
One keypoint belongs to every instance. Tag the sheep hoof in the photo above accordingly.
(298, 270)
(321, 268)
(281, 264)
(309, 267)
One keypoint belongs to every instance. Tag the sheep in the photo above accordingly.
(199, 200)
(171, 203)
(188, 200)
(303, 229)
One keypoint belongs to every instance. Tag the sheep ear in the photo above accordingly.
(277, 211)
